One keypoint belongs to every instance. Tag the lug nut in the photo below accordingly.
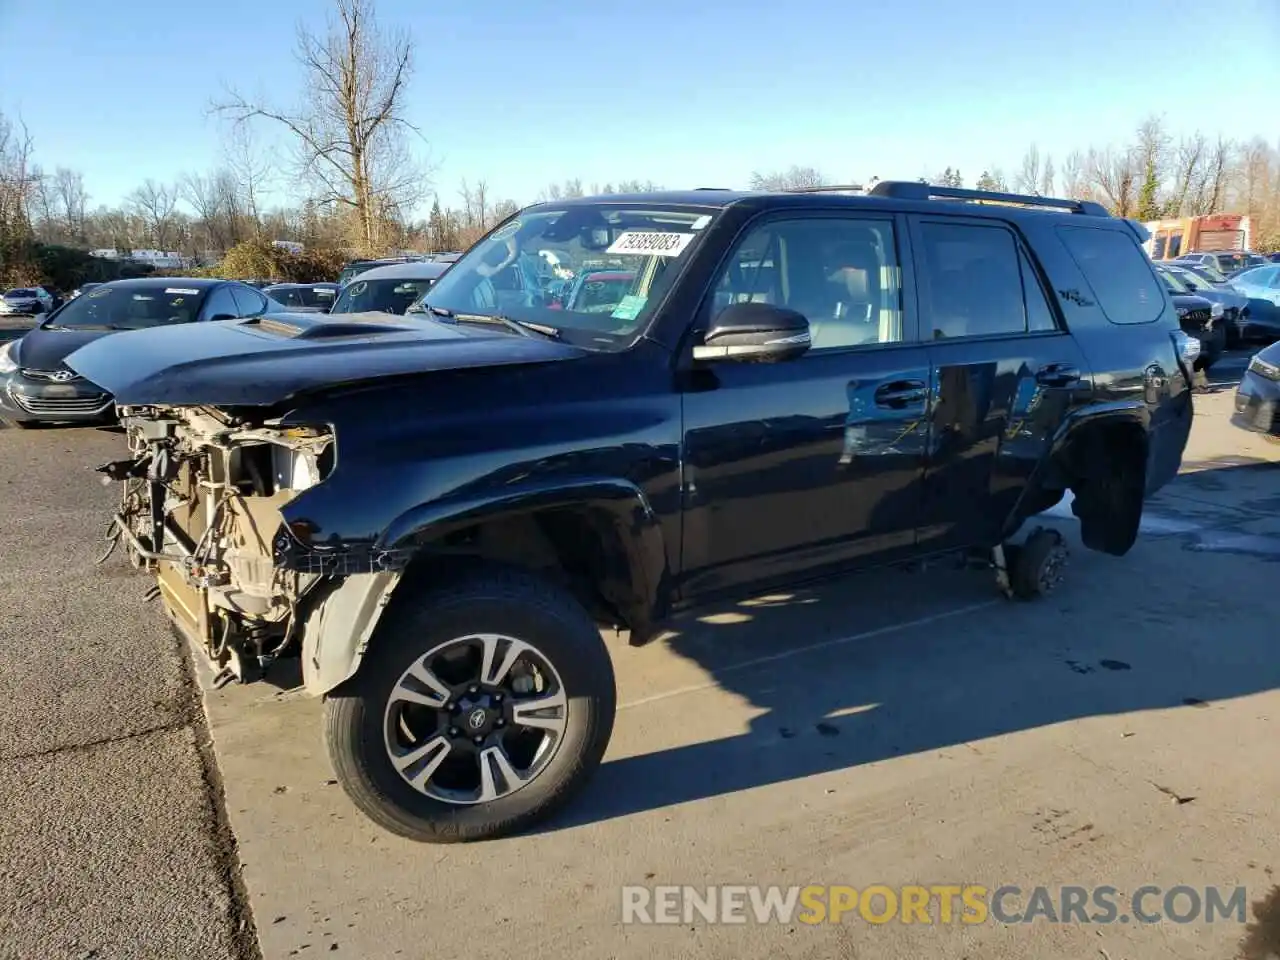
(501, 722)
(453, 731)
(473, 690)
(479, 739)
(497, 698)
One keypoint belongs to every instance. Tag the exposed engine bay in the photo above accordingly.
(200, 507)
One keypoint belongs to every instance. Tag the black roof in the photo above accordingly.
(150, 283)
(895, 195)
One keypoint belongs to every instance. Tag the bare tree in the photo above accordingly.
(1114, 173)
(1253, 182)
(351, 130)
(18, 179)
(1218, 176)
(793, 178)
(1075, 177)
(250, 177)
(154, 205)
(1047, 177)
(72, 199)
(1188, 166)
(1029, 173)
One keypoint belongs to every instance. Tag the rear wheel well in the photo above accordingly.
(1104, 465)
(576, 549)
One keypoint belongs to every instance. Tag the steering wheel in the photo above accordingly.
(513, 251)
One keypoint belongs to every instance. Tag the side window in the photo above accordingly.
(971, 281)
(249, 302)
(842, 274)
(1039, 313)
(1118, 271)
(221, 303)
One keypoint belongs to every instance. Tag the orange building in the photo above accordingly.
(1218, 231)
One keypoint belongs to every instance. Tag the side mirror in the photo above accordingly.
(755, 333)
(222, 316)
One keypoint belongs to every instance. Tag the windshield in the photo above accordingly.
(592, 270)
(20, 293)
(353, 269)
(1174, 282)
(1208, 274)
(322, 297)
(384, 296)
(130, 308)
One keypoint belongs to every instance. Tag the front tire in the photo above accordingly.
(480, 709)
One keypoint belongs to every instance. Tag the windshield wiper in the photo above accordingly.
(523, 327)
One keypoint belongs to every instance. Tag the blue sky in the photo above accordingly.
(684, 93)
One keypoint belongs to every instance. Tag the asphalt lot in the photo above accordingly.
(895, 728)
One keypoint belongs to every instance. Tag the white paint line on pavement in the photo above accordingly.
(810, 648)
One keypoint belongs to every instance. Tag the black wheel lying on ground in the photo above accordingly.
(1036, 567)
(479, 710)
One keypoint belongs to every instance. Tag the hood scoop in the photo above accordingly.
(308, 326)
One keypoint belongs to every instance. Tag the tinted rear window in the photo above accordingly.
(1117, 271)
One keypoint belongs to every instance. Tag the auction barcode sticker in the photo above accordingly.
(651, 243)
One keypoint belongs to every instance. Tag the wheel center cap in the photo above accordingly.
(478, 719)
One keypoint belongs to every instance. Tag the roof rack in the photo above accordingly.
(910, 190)
(832, 188)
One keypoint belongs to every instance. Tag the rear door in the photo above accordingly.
(812, 464)
(1004, 373)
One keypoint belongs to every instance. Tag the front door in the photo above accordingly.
(803, 467)
(1004, 374)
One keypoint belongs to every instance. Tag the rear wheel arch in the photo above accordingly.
(1102, 460)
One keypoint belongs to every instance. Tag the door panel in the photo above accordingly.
(794, 467)
(799, 468)
(1004, 375)
(996, 406)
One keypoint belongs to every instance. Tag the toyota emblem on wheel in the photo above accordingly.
(476, 720)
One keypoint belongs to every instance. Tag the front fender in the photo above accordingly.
(635, 576)
(337, 630)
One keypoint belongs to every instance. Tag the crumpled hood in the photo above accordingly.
(268, 360)
(41, 349)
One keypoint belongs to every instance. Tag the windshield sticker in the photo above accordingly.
(323, 291)
(629, 307)
(701, 222)
(100, 292)
(359, 288)
(142, 296)
(651, 243)
(183, 290)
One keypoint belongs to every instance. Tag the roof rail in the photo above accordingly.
(711, 188)
(829, 188)
(910, 190)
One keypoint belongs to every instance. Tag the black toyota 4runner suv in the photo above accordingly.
(439, 512)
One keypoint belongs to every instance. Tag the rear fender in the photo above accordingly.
(1048, 474)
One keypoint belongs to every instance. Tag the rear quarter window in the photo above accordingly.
(1118, 272)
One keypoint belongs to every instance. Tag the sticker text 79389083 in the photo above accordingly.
(651, 243)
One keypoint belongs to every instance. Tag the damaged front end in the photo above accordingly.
(200, 506)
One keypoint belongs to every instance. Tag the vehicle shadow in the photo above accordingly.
(833, 679)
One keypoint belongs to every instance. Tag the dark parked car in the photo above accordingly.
(1225, 262)
(439, 513)
(357, 267)
(304, 297)
(1201, 317)
(36, 386)
(1258, 396)
(389, 289)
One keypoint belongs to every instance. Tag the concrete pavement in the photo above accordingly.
(112, 843)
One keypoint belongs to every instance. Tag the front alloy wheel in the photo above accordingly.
(477, 718)
(479, 709)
